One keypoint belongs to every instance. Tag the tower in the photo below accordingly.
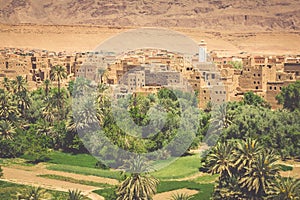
(202, 52)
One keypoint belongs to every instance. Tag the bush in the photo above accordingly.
(9, 149)
(101, 165)
(285, 168)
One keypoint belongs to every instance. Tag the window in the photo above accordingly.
(254, 82)
(270, 87)
(254, 74)
(275, 88)
(256, 87)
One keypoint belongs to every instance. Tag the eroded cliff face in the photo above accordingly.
(209, 14)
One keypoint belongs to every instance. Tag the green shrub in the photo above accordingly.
(285, 167)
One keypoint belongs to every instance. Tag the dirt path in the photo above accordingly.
(29, 176)
(295, 173)
(41, 169)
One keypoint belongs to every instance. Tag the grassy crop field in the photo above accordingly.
(86, 171)
(204, 190)
(85, 164)
(10, 191)
(80, 160)
(182, 167)
(72, 180)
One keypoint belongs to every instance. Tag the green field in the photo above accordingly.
(85, 164)
(182, 167)
(204, 190)
(80, 160)
(72, 180)
(86, 171)
(9, 191)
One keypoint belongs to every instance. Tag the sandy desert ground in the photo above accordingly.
(86, 38)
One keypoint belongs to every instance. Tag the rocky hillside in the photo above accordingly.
(207, 14)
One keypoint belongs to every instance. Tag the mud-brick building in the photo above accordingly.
(292, 65)
(13, 65)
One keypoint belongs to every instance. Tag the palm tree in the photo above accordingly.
(246, 153)
(6, 130)
(139, 185)
(6, 84)
(86, 112)
(34, 193)
(285, 189)
(49, 111)
(19, 84)
(75, 195)
(220, 160)
(181, 196)
(58, 73)
(21, 94)
(24, 101)
(260, 175)
(81, 87)
(54, 106)
(8, 109)
(43, 126)
(221, 117)
(101, 71)
(47, 83)
(103, 102)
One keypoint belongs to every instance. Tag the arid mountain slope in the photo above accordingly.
(207, 14)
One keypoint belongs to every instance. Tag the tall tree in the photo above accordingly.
(289, 96)
(260, 175)
(220, 160)
(47, 83)
(285, 189)
(58, 73)
(19, 84)
(252, 99)
(246, 153)
(139, 185)
(21, 94)
(6, 84)
(8, 109)
(6, 130)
